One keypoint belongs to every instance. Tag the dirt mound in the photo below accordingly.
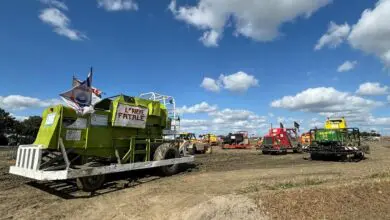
(224, 207)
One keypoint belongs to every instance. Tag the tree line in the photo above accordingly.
(14, 132)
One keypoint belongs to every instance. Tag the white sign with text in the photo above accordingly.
(130, 116)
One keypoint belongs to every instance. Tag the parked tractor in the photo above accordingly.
(337, 142)
(195, 145)
(210, 139)
(122, 133)
(238, 140)
(305, 140)
(280, 141)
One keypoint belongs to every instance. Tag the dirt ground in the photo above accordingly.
(227, 184)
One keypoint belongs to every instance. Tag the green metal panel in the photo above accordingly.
(48, 131)
(95, 135)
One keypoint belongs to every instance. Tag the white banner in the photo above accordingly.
(131, 116)
(50, 119)
(80, 123)
(99, 120)
(170, 132)
(73, 135)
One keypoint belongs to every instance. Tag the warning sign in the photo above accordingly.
(130, 116)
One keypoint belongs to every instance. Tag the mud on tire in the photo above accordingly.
(167, 151)
(90, 183)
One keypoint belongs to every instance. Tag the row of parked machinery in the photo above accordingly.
(201, 144)
(334, 140)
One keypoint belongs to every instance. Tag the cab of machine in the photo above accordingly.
(335, 123)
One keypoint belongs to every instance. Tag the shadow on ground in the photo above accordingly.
(114, 182)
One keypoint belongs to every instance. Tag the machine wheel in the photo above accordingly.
(358, 156)
(193, 149)
(314, 156)
(167, 151)
(265, 152)
(209, 150)
(90, 183)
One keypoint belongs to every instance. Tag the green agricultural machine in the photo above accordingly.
(122, 133)
(339, 144)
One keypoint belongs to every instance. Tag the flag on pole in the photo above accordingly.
(296, 125)
(97, 93)
(82, 96)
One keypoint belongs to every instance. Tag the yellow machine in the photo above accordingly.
(195, 145)
(306, 139)
(335, 123)
(211, 139)
(189, 137)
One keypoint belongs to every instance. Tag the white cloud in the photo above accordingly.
(236, 82)
(118, 5)
(370, 88)
(371, 33)
(18, 102)
(259, 20)
(325, 100)
(18, 117)
(315, 123)
(271, 115)
(210, 84)
(55, 3)
(347, 66)
(288, 122)
(378, 120)
(335, 35)
(388, 98)
(280, 119)
(60, 23)
(210, 38)
(202, 107)
(223, 121)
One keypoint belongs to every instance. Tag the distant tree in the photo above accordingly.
(364, 134)
(14, 132)
(7, 123)
(28, 129)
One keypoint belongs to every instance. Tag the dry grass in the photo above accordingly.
(228, 184)
(357, 200)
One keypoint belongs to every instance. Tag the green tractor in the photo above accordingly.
(340, 144)
(122, 133)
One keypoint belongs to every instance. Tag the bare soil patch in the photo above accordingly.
(227, 184)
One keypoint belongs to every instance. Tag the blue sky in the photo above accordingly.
(265, 52)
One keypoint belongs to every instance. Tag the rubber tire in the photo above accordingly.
(315, 156)
(209, 150)
(193, 149)
(167, 151)
(85, 184)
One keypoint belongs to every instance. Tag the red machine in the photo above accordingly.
(237, 140)
(281, 140)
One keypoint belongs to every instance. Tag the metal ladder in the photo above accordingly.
(132, 152)
(170, 103)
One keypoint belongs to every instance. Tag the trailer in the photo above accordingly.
(238, 140)
(194, 145)
(210, 139)
(122, 133)
(336, 144)
(280, 141)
